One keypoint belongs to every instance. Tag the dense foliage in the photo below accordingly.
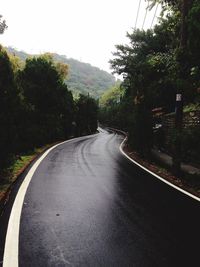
(9, 107)
(82, 77)
(3, 25)
(111, 109)
(49, 104)
(36, 106)
(86, 115)
(154, 66)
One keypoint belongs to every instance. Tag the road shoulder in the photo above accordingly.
(160, 173)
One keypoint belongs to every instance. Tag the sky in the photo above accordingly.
(87, 30)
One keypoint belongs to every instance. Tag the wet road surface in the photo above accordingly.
(87, 205)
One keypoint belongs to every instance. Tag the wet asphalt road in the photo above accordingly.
(87, 205)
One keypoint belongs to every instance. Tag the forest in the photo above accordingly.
(157, 64)
(82, 78)
(36, 107)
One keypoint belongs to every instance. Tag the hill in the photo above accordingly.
(83, 77)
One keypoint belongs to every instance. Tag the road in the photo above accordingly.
(87, 205)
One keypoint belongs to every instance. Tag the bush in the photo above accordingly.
(191, 144)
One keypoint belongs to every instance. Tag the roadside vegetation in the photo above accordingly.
(155, 65)
(36, 108)
(82, 78)
(19, 163)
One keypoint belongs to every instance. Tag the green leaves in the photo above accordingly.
(3, 25)
(112, 96)
(149, 67)
(50, 104)
(86, 115)
(172, 3)
(36, 106)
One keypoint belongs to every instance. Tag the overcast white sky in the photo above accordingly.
(87, 30)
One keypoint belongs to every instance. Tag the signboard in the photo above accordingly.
(178, 97)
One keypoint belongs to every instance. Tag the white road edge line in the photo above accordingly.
(155, 175)
(147, 170)
(11, 249)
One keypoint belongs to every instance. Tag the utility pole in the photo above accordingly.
(182, 59)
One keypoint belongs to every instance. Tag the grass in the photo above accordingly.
(191, 107)
(9, 175)
(20, 163)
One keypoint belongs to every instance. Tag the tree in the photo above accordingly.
(171, 3)
(49, 103)
(157, 62)
(9, 106)
(140, 65)
(36, 106)
(112, 96)
(110, 103)
(3, 25)
(86, 115)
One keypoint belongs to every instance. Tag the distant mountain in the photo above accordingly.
(83, 77)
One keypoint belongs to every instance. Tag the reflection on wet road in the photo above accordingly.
(87, 205)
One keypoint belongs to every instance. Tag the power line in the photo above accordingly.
(154, 15)
(137, 14)
(145, 16)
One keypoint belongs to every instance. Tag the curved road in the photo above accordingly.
(87, 205)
